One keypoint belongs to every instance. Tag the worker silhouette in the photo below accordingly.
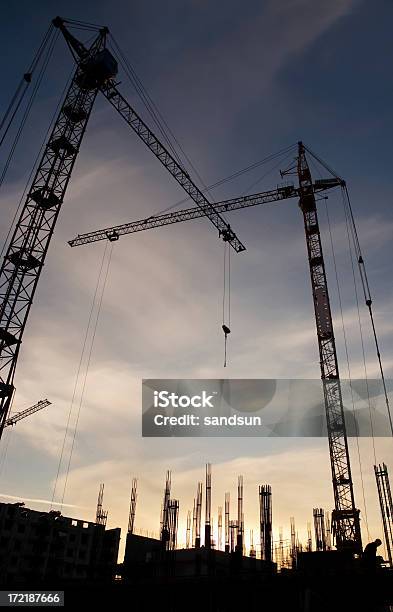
(369, 556)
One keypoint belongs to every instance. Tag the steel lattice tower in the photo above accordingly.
(23, 262)
(28, 246)
(345, 516)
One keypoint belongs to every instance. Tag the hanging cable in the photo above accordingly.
(367, 295)
(162, 124)
(34, 167)
(226, 299)
(144, 96)
(18, 96)
(348, 366)
(82, 395)
(76, 382)
(28, 107)
(277, 165)
(230, 178)
(352, 258)
(324, 164)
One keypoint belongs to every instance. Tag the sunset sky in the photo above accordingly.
(235, 82)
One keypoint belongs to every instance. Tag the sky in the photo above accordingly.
(235, 83)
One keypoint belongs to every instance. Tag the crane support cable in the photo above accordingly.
(230, 178)
(174, 145)
(156, 115)
(81, 358)
(135, 122)
(33, 169)
(146, 99)
(348, 365)
(367, 295)
(274, 195)
(26, 113)
(82, 395)
(324, 164)
(160, 121)
(226, 300)
(21, 89)
(355, 285)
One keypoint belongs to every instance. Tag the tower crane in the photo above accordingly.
(188, 214)
(12, 420)
(96, 69)
(345, 516)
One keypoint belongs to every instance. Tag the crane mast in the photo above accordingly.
(345, 516)
(28, 246)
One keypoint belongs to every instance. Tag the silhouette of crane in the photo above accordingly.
(12, 420)
(345, 516)
(96, 69)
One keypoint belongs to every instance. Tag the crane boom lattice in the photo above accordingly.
(345, 516)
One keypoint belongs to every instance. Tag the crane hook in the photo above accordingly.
(226, 331)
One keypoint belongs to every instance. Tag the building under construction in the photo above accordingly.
(48, 550)
(46, 547)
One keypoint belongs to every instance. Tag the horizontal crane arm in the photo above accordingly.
(274, 195)
(112, 94)
(25, 413)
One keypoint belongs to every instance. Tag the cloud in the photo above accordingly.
(47, 502)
